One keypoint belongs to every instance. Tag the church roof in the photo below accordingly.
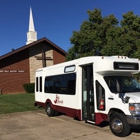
(45, 40)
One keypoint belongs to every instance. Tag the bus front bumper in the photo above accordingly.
(134, 122)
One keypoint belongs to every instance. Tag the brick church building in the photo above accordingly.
(18, 66)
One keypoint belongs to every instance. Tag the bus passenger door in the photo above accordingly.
(87, 93)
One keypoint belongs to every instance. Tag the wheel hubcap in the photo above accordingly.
(48, 110)
(117, 125)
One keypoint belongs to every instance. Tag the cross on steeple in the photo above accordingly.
(43, 58)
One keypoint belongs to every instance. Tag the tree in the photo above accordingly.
(106, 36)
(91, 38)
(124, 39)
(131, 27)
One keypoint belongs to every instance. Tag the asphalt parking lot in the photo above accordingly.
(38, 126)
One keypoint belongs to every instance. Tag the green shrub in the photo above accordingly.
(29, 87)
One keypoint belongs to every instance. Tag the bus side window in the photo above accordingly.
(71, 87)
(100, 96)
(46, 85)
(37, 84)
(40, 84)
(51, 84)
(57, 86)
(61, 84)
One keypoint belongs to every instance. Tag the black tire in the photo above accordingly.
(50, 112)
(57, 113)
(118, 125)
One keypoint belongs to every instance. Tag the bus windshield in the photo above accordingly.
(124, 83)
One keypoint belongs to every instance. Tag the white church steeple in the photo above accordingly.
(32, 34)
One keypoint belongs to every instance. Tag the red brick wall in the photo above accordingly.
(12, 82)
(58, 57)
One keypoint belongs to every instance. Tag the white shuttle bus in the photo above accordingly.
(94, 89)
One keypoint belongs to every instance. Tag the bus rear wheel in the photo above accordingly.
(50, 112)
(118, 125)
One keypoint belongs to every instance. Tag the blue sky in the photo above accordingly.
(53, 19)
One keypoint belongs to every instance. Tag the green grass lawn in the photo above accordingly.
(17, 103)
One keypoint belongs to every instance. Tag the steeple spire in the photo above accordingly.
(31, 22)
(32, 34)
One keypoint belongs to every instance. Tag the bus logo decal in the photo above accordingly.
(57, 100)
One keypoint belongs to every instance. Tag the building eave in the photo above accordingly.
(32, 44)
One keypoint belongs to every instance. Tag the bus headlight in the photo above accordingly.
(134, 109)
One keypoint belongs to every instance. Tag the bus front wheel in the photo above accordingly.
(50, 112)
(118, 125)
